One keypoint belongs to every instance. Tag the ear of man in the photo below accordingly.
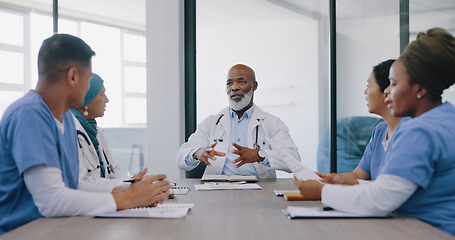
(72, 77)
(255, 85)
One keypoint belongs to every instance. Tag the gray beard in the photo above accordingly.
(242, 103)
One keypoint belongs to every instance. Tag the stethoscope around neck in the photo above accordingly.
(110, 168)
(220, 139)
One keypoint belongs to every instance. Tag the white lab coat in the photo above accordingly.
(269, 127)
(89, 171)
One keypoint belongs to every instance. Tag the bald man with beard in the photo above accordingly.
(236, 141)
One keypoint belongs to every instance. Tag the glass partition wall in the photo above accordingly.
(283, 43)
(367, 33)
(287, 43)
(428, 14)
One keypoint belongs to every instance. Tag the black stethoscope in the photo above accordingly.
(110, 168)
(220, 139)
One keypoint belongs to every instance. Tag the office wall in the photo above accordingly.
(361, 44)
(282, 47)
(165, 115)
(419, 22)
(366, 41)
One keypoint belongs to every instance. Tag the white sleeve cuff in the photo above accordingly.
(53, 199)
(361, 181)
(381, 196)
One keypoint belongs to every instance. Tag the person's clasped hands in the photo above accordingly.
(149, 191)
(334, 178)
(312, 189)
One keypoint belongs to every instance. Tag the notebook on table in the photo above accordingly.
(210, 186)
(166, 210)
(321, 212)
(225, 178)
(180, 190)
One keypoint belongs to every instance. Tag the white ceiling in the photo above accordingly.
(131, 13)
(125, 13)
(359, 8)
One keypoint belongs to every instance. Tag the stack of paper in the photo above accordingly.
(225, 178)
(226, 186)
(179, 190)
(167, 210)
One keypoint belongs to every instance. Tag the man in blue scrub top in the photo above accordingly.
(38, 145)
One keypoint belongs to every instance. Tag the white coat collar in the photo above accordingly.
(258, 114)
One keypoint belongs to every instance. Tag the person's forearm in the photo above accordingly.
(349, 175)
(53, 199)
(94, 187)
(384, 195)
(123, 201)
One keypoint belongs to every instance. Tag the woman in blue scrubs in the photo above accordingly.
(374, 153)
(414, 177)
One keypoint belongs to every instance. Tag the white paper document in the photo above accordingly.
(210, 186)
(225, 178)
(166, 210)
(319, 212)
(296, 167)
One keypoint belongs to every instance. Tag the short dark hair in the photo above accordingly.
(381, 73)
(59, 51)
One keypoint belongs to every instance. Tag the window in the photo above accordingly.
(120, 60)
(13, 57)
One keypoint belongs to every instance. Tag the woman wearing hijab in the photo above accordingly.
(416, 174)
(96, 164)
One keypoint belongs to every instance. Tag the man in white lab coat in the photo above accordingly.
(236, 141)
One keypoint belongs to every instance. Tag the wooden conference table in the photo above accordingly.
(229, 214)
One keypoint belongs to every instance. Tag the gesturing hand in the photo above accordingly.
(246, 155)
(207, 153)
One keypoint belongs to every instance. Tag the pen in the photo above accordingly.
(327, 209)
(132, 180)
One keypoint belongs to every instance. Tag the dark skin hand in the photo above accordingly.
(246, 155)
(310, 189)
(333, 178)
(207, 153)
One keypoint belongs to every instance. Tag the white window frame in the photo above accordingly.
(26, 51)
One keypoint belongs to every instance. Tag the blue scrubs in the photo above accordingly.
(423, 151)
(29, 137)
(374, 152)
